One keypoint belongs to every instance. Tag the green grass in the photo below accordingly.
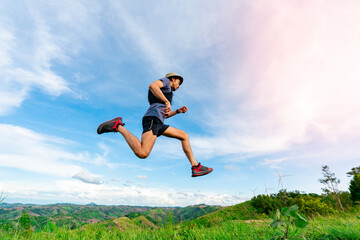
(346, 227)
(338, 227)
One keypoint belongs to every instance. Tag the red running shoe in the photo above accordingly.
(110, 126)
(200, 170)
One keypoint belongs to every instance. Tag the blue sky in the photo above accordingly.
(271, 88)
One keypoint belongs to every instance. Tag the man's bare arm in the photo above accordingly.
(155, 89)
(180, 110)
(170, 114)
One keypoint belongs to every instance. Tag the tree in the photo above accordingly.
(1, 196)
(25, 221)
(355, 188)
(354, 171)
(331, 184)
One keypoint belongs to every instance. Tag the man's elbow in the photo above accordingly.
(151, 86)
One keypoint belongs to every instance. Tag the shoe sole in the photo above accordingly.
(108, 121)
(202, 174)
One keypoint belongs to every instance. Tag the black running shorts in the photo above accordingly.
(154, 124)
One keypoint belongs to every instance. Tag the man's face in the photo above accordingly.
(175, 84)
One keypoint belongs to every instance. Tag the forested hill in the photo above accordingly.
(71, 214)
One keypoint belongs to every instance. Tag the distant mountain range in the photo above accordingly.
(76, 215)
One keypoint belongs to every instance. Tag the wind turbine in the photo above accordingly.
(254, 191)
(266, 189)
(280, 179)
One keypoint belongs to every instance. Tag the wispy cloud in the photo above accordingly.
(87, 178)
(142, 37)
(20, 77)
(141, 177)
(25, 149)
(273, 163)
(294, 85)
(179, 41)
(27, 56)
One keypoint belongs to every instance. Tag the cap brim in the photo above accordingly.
(177, 76)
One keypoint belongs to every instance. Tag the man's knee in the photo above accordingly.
(184, 136)
(142, 154)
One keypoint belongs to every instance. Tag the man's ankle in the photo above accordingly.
(119, 128)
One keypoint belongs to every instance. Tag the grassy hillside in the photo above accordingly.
(248, 220)
(242, 211)
(228, 223)
(193, 212)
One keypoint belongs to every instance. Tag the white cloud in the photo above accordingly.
(273, 163)
(25, 149)
(17, 78)
(101, 158)
(115, 180)
(87, 178)
(141, 177)
(47, 33)
(80, 192)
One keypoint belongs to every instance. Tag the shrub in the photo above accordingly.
(355, 188)
(265, 203)
(314, 206)
(309, 204)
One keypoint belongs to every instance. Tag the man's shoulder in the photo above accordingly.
(164, 79)
(166, 83)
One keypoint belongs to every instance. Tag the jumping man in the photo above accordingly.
(160, 98)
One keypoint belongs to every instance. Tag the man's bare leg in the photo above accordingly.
(141, 149)
(184, 138)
